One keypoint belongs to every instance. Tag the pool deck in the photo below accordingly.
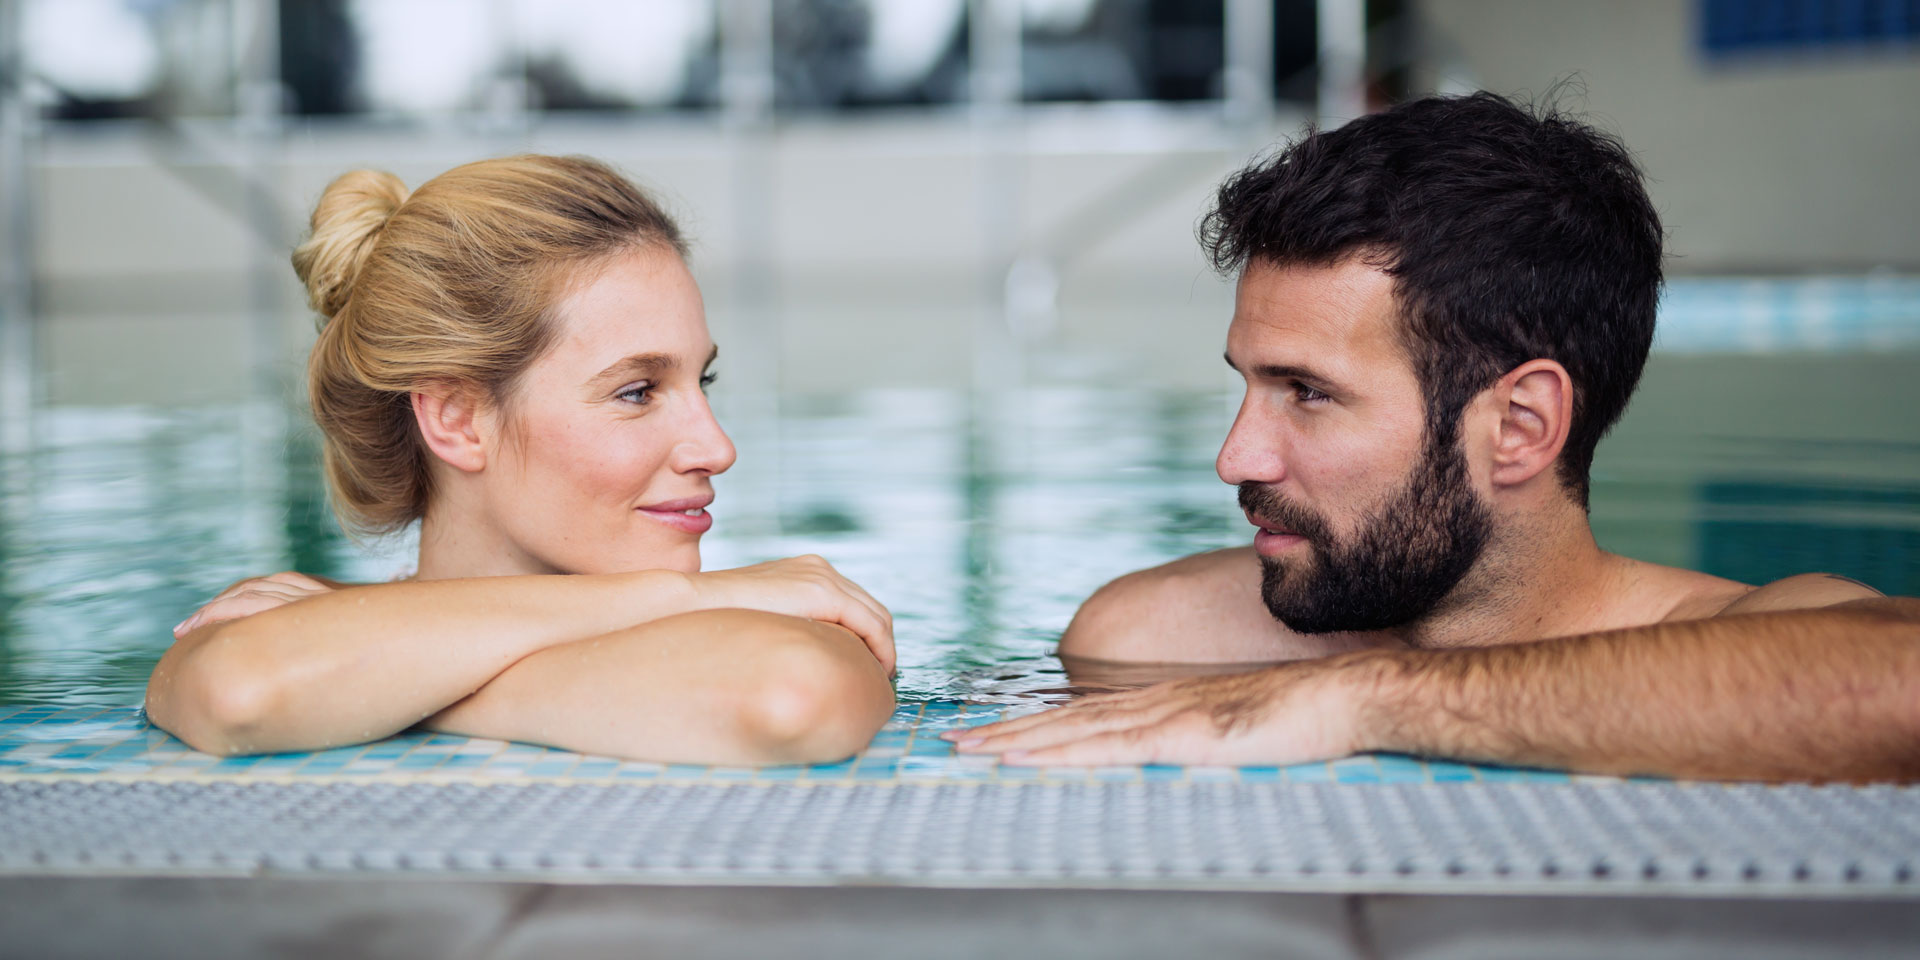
(115, 836)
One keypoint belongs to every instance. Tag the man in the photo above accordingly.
(1441, 309)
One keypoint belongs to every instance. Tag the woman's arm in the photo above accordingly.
(718, 686)
(345, 666)
(364, 662)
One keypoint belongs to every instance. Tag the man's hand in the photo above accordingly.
(1296, 713)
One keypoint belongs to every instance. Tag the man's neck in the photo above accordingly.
(1542, 579)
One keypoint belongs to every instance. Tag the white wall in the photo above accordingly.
(1810, 163)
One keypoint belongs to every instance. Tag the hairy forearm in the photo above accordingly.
(364, 662)
(1820, 694)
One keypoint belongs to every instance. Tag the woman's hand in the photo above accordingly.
(253, 595)
(807, 587)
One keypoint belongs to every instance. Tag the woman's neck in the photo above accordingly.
(460, 543)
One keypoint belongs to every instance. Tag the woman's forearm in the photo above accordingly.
(367, 661)
(718, 686)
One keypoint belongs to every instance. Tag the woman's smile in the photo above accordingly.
(688, 514)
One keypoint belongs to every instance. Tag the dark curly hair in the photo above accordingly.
(1512, 233)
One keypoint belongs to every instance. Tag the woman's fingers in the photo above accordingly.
(251, 596)
(876, 633)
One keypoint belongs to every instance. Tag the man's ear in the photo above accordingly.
(1538, 402)
(453, 423)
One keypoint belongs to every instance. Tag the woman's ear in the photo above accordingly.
(453, 424)
(1538, 401)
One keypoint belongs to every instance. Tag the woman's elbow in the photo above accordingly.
(819, 696)
(212, 704)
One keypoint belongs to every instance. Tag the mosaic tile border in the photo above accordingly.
(117, 743)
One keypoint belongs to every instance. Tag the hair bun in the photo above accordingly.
(346, 222)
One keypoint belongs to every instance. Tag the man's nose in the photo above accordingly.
(1252, 451)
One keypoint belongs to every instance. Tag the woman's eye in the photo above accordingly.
(636, 394)
(707, 379)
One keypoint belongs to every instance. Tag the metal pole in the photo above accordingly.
(257, 33)
(1343, 61)
(19, 373)
(1249, 76)
(264, 416)
(752, 359)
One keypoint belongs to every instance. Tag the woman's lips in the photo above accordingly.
(688, 515)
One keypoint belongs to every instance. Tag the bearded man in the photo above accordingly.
(1441, 309)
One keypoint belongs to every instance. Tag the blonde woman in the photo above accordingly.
(515, 357)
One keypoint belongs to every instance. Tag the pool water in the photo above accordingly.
(981, 523)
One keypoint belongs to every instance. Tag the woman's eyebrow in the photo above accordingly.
(638, 364)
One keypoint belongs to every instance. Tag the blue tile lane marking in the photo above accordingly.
(84, 742)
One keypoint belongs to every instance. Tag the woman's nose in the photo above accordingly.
(707, 449)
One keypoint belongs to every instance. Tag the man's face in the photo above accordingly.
(1364, 525)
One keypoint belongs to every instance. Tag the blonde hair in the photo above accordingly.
(451, 285)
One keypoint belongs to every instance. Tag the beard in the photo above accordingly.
(1397, 568)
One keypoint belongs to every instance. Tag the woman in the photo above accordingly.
(515, 357)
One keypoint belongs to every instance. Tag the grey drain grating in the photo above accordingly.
(1630, 837)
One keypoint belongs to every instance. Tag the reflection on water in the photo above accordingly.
(982, 526)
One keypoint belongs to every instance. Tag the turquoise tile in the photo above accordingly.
(786, 771)
(685, 771)
(1259, 774)
(1444, 771)
(1162, 772)
(1348, 772)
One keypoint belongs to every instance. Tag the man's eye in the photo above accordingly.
(1305, 393)
(639, 394)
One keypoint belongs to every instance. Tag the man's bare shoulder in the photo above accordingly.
(1692, 595)
(1204, 608)
(1806, 591)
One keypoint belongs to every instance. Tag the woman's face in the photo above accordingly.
(609, 448)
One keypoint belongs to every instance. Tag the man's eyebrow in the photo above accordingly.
(1281, 371)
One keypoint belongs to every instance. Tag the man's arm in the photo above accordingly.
(1830, 693)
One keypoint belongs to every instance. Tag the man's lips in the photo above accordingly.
(687, 514)
(1272, 538)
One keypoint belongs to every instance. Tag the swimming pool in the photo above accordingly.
(982, 522)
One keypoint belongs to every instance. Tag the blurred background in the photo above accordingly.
(948, 252)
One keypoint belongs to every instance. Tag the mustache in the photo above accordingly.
(1258, 500)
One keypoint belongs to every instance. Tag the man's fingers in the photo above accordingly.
(1017, 724)
(1129, 745)
(1063, 726)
